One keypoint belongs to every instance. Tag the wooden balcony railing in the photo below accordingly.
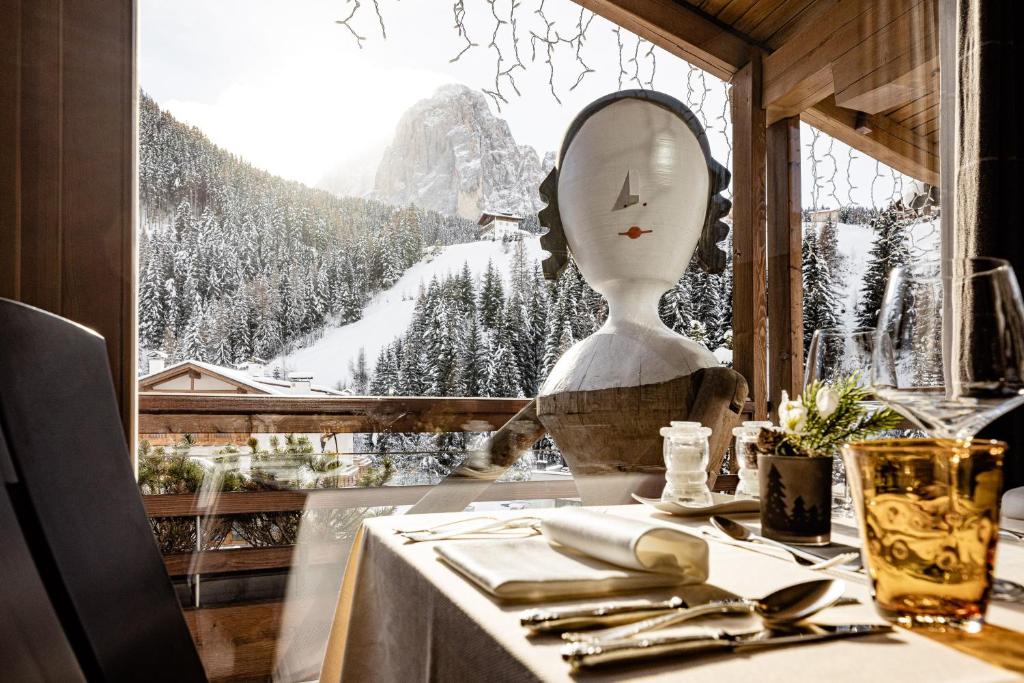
(232, 415)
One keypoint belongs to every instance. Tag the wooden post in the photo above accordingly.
(67, 169)
(785, 277)
(750, 329)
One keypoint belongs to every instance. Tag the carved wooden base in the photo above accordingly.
(610, 440)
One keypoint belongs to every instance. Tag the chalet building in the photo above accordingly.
(498, 226)
(197, 377)
(823, 216)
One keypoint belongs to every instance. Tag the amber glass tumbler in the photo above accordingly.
(928, 511)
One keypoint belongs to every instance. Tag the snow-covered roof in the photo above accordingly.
(261, 384)
(488, 216)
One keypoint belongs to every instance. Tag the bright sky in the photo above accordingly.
(284, 86)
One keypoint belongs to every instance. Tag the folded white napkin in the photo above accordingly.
(582, 553)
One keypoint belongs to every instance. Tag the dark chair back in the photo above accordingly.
(70, 484)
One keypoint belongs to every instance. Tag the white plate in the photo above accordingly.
(723, 503)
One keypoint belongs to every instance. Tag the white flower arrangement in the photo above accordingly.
(825, 417)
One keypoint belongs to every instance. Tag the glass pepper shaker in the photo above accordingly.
(745, 452)
(686, 451)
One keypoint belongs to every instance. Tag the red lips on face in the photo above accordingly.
(634, 232)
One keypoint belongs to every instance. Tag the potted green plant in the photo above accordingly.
(794, 461)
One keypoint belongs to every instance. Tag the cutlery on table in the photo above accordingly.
(560, 620)
(584, 654)
(486, 526)
(1004, 590)
(787, 605)
(1010, 533)
(546, 620)
(739, 532)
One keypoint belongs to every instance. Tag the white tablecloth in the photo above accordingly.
(405, 616)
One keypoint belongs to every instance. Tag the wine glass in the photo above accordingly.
(834, 354)
(949, 353)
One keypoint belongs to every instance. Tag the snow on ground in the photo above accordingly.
(389, 312)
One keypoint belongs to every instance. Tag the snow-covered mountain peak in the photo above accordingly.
(450, 153)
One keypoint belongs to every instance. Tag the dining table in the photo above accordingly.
(405, 615)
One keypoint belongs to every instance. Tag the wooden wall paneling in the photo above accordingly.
(10, 177)
(750, 334)
(98, 183)
(66, 210)
(40, 155)
(785, 275)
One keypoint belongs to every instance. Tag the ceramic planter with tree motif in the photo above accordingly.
(795, 458)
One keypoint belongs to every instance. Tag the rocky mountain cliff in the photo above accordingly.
(451, 154)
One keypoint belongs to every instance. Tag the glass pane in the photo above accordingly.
(338, 245)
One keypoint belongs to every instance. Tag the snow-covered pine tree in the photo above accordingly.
(241, 324)
(465, 294)
(385, 373)
(828, 247)
(520, 269)
(218, 337)
(888, 250)
(514, 330)
(675, 306)
(820, 305)
(442, 344)
(194, 341)
(535, 325)
(473, 357)
(414, 364)
(152, 305)
(706, 296)
(360, 374)
(492, 297)
(503, 377)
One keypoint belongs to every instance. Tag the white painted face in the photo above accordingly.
(632, 194)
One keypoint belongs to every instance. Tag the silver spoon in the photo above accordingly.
(737, 531)
(787, 605)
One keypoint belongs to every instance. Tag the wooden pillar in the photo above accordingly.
(750, 329)
(785, 275)
(67, 169)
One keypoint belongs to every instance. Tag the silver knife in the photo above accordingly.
(582, 655)
(546, 620)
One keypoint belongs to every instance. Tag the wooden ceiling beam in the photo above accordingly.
(681, 29)
(799, 73)
(879, 137)
(893, 66)
(802, 65)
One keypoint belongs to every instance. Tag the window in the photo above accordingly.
(336, 210)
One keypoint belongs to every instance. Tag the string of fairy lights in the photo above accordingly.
(839, 176)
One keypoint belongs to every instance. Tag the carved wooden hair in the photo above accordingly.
(710, 256)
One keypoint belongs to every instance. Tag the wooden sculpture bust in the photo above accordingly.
(633, 197)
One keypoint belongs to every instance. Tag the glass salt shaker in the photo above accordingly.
(687, 451)
(745, 452)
